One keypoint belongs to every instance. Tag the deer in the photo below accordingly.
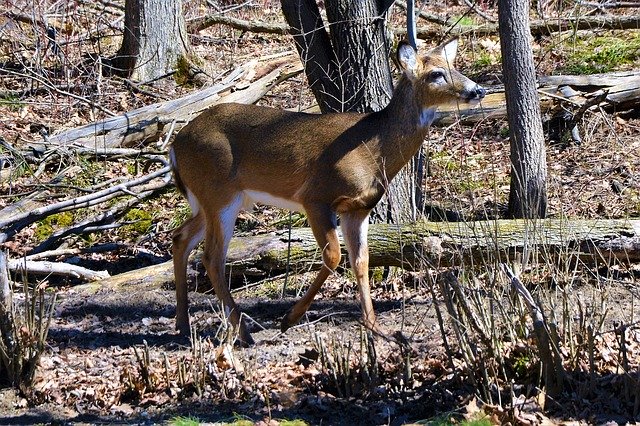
(325, 165)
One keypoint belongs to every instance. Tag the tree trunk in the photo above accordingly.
(348, 70)
(316, 52)
(528, 191)
(357, 33)
(155, 38)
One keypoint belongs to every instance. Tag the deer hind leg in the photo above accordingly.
(185, 239)
(218, 234)
(323, 223)
(355, 226)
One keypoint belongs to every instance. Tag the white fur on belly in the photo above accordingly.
(270, 200)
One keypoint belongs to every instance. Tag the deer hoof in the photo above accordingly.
(286, 322)
(244, 339)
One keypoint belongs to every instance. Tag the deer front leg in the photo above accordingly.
(218, 234)
(323, 224)
(355, 226)
(185, 239)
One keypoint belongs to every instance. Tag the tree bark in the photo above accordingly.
(412, 246)
(528, 191)
(155, 38)
(357, 31)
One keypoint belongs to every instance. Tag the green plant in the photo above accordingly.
(49, 224)
(296, 422)
(184, 421)
(139, 222)
(463, 21)
(452, 419)
(602, 54)
(12, 102)
(484, 60)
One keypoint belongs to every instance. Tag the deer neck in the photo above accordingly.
(404, 124)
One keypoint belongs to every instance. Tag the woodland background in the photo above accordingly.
(472, 352)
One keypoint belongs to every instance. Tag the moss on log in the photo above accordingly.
(427, 244)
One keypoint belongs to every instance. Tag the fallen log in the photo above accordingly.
(622, 93)
(428, 244)
(153, 121)
(540, 27)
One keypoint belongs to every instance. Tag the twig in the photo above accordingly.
(549, 353)
(474, 6)
(33, 91)
(59, 91)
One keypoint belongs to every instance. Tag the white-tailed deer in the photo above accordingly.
(233, 155)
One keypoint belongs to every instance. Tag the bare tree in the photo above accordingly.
(347, 66)
(528, 191)
(154, 39)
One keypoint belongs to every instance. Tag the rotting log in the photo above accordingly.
(153, 121)
(427, 244)
(415, 246)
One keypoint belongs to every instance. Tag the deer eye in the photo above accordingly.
(436, 75)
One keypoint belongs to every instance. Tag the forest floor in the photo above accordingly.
(112, 355)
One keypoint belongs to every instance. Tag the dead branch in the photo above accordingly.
(55, 268)
(19, 221)
(623, 92)
(238, 24)
(609, 4)
(66, 252)
(544, 27)
(541, 27)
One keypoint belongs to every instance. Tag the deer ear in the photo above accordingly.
(450, 49)
(407, 58)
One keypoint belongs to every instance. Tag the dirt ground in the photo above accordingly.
(91, 374)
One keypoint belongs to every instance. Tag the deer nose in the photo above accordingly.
(480, 92)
